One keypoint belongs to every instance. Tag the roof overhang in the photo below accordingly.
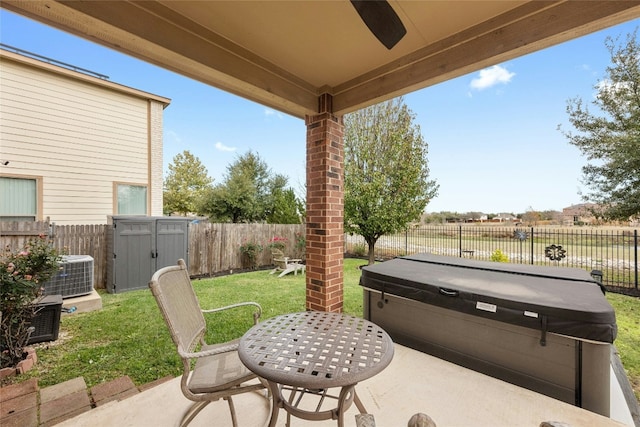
(284, 54)
(6, 55)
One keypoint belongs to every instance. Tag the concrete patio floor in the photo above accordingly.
(413, 382)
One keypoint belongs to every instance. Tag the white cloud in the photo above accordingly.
(588, 69)
(491, 76)
(268, 112)
(221, 147)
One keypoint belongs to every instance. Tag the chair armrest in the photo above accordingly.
(256, 314)
(210, 352)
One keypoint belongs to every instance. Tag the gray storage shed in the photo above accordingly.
(137, 246)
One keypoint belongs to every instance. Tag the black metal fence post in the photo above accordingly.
(616, 254)
(406, 242)
(635, 255)
(532, 239)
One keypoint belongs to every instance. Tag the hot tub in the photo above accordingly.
(548, 329)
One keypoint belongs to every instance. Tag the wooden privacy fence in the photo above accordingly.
(67, 239)
(213, 248)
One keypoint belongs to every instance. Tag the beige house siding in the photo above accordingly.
(155, 156)
(80, 135)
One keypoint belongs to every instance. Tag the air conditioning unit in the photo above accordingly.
(46, 323)
(74, 278)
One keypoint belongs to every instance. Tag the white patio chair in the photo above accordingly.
(285, 264)
(218, 372)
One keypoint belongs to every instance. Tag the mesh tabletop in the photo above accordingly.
(316, 349)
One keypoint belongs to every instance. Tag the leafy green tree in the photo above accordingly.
(386, 176)
(249, 193)
(286, 208)
(610, 138)
(185, 184)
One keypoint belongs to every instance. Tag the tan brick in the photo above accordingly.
(112, 388)
(58, 390)
(77, 402)
(14, 390)
(65, 417)
(26, 418)
(122, 395)
(18, 404)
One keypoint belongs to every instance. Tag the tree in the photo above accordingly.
(611, 140)
(531, 216)
(473, 215)
(249, 193)
(386, 183)
(286, 208)
(185, 184)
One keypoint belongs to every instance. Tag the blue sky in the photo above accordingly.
(493, 139)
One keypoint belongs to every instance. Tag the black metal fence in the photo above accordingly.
(613, 252)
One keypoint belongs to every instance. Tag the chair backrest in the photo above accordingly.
(278, 258)
(172, 289)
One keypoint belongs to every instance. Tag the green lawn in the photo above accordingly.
(628, 341)
(128, 336)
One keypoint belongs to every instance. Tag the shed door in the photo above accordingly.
(172, 242)
(135, 262)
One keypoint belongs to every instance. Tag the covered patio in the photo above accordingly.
(449, 394)
(318, 60)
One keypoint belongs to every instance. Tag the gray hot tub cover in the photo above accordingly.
(566, 301)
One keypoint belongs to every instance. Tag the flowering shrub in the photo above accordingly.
(499, 256)
(250, 250)
(278, 243)
(22, 274)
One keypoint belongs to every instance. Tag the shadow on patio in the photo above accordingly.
(413, 382)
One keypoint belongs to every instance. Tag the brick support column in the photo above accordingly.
(325, 203)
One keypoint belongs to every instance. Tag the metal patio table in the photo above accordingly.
(309, 353)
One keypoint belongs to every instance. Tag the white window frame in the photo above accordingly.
(118, 186)
(24, 216)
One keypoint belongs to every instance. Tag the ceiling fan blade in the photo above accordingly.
(382, 20)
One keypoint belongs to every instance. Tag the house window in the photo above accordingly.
(132, 199)
(18, 199)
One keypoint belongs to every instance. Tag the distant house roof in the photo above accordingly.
(505, 216)
(579, 209)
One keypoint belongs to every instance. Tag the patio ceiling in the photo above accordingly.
(284, 54)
